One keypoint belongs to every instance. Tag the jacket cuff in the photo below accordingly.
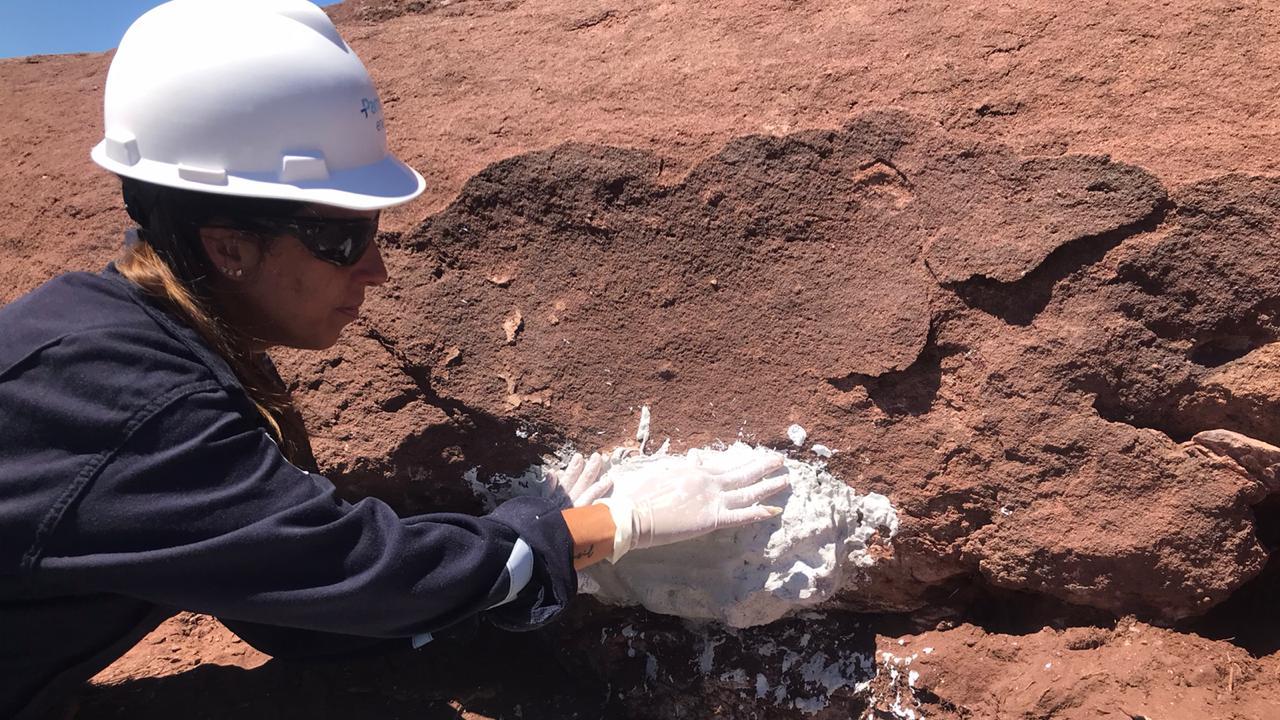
(551, 580)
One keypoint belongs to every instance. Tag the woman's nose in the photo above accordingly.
(370, 269)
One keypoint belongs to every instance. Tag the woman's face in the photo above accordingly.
(279, 293)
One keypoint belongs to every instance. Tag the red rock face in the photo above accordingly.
(847, 280)
(1070, 673)
(706, 209)
(985, 352)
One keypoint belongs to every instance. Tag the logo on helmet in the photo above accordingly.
(372, 108)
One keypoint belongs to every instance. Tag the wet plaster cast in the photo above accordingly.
(755, 574)
(743, 576)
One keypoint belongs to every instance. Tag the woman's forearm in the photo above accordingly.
(592, 529)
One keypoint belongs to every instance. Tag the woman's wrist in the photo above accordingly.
(593, 530)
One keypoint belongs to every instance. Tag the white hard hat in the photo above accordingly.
(257, 98)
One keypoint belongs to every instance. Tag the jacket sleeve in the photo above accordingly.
(199, 510)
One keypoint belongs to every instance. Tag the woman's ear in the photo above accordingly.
(231, 253)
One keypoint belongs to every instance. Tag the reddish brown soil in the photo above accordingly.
(892, 223)
(1123, 672)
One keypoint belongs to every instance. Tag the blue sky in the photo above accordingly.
(30, 27)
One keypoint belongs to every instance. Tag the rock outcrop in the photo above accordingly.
(969, 329)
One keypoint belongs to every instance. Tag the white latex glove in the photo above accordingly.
(580, 479)
(693, 502)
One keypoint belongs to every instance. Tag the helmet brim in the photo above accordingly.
(379, 185)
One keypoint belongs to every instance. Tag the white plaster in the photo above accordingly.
(482, 493)
(744, 576)
(642, 430)
(787, 675)
(809, 705)
(904, 705)
(708, 657)
(758, 573)
(797, 435)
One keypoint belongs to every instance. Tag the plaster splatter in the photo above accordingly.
(892, 693)
(769, 664)
(797, 434)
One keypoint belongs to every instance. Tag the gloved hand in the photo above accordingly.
(693, 501)
(580, 479)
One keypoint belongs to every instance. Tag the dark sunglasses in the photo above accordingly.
(341, 241)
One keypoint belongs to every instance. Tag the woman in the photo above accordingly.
(151, 458)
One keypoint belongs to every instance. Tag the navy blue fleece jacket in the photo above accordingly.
(137, 480)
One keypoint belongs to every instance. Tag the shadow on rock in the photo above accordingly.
(425, 471)
(1249, 618)
(660, 666)
(1019, 302)
(905, 392)
(489, 673)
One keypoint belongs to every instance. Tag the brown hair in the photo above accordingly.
(169, 263)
